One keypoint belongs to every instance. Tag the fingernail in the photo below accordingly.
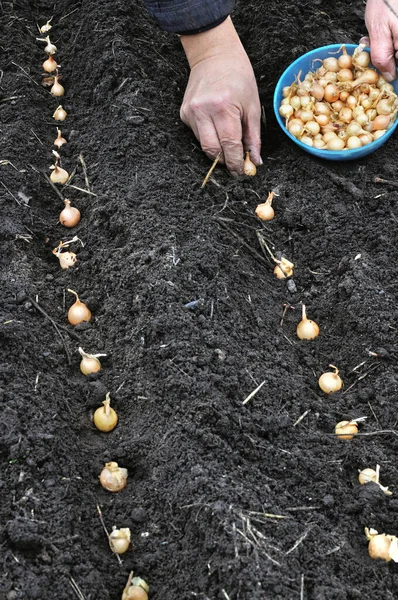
(261, 161)
(388, 77)
(234, 174)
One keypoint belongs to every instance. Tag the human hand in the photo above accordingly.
(381, 18)
(221, 102)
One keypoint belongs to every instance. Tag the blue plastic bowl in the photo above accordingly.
(305, 64)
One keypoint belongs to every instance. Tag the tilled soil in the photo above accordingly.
(225, 500)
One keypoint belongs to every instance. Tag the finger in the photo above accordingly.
(382, 53)
(251, 127)
(208, 138)
(365, 40)
(229, 131)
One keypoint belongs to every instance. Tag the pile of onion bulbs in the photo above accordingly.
(341, 105)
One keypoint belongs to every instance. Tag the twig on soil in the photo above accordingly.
(76, 589)
(302, 417)
(299, 541)
(220, 221)
(226, 595)
(56, 327)
(37, 137)
(301, 508)
(253, 393)
(11, 194)
(67, 15)
(386, 181)
(361, 377)
(302, 587)
(81, 189)
(27, 74)
(11, 98)
(107, 534)
(286, 306)
(213, 166)
(8, 162)
(84, 171)
(347, 185)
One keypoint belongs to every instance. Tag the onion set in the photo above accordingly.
(105, 418)
(264, 211)
(136, 589)
(58, 174)
(330, 382)
(70, 215)
(59, 140)
(249, 168)
(78, 312)
(60, 114)
(50, 65)
(346, 430)
(284, 268)
(89, 363)
(307, 329)
(382, 546)
(119, 540)
(49, 48)
(368, 475)
(113, 478)
(341, 105)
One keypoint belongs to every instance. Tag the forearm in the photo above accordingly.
(217, 40)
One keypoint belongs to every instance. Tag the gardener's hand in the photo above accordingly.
(382, 25)
(221, 102)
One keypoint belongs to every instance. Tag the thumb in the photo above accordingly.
(382, 54)
(251, 136)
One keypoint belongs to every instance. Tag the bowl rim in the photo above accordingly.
(372, 147)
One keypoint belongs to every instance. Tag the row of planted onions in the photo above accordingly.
(112, 478)
(342, 105)
(381, 546)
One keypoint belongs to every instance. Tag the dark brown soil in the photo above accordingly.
(224, 500)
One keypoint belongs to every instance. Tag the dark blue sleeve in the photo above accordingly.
(189, 16)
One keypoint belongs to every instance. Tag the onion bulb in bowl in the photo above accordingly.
(78, 312)
(70, 215)
(113, 478)
(89, 363)
(136, 589)
(330, 382)
(105, 418)
(307, 329)
(119, 540)
(264, 211)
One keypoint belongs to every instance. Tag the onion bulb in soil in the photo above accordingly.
(89, 363)
(136, 589)
(264, 211)
(58, 174)
(66, 259)
(367, 475)
(284, 268)
(70, 215)
(382, 546)
(119, 540)
(46, 27)
(113, 478)
(50, 65)
(59, 140)
(307, 329)
(78, 312)
(57, 89)
(249, 168)
(105, 418)
(60, 114)
(330, 382)
(346, 430)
